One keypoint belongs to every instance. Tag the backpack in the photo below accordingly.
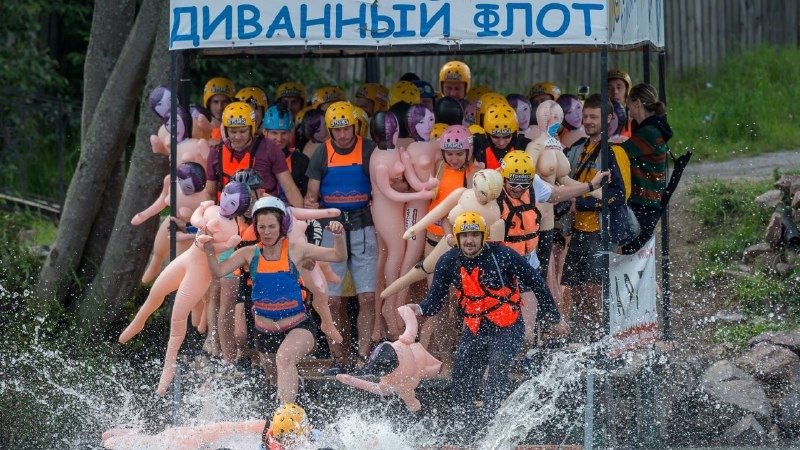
(623, 161)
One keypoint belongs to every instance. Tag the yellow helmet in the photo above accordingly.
(476, 92)
(377, 93)
(404, 91)
(500, 120)
(455, 71)
(620, 74)
(487, 101)
(253, 95)
(488, 182)
(301, 114)
(517, 166)
(215, 86)
(470, 221)
(475, 129)
(362, 121)
(438, 130)
(327, 94)
(239, 114)
(291, 89)
(289, 420)
(544, 87)
(341, 115)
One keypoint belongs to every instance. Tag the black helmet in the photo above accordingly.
(448, 110)
(249, 177)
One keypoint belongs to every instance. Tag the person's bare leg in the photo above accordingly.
(365, 322)
(297, 344)
(339, 350)
(211, 344)
(229, 288)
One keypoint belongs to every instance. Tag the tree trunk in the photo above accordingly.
(100, 150)
(129, 247)
(111, 23)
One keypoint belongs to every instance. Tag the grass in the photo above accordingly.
(726, 211)
(743, 108)
(738, 335)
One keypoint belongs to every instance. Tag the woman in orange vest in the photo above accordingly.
(489, 279)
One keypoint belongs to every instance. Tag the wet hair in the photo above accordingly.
(240, 190)
(593, 101)
(313, 122)
(382, 128)
(448, 110)
(382, 361)
(415, 115)
(648, 95)
(195, 172)
(400, 109)
(409, 76)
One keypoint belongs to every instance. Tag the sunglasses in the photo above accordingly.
(513, 185)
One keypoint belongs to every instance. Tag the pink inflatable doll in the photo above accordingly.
(190, 275)
(390, 195)
(191, 183)
(486, 187)
(523, 108)
(572, 126)
(401, 365)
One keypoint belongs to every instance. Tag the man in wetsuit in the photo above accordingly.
(489, 279)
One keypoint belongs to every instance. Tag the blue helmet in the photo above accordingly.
(278, 119)
(425, 89)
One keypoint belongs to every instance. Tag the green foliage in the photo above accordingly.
(731, 220)
(757, 294)
(739, 109)
(738, 335)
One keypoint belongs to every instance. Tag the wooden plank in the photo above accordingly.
(713, 32)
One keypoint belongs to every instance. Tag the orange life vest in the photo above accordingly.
(449, 180)
(229, 165)
(500, 306)
(522, 219)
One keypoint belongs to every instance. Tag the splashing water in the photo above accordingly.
(534, 402)
(86, 397)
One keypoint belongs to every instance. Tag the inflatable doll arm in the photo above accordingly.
(410, 320)
(158, 205)
(411, 174)
(441, 210)
(314, 214)
(383, 184)
(379, 388)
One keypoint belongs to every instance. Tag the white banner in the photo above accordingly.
(389, 25)
(632, 307)
(634, 21)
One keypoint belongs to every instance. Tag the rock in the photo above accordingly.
(746, 431)
(768, 261)
(770, 363)
(774, 230)
(792, 257)
(784, 269)
(788, 412)
(788, 339)
(769, 200)
(750, 253)
(788, 184)
(735, 390)
(796, 201)
(729, 317)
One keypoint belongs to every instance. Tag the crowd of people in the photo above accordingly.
(482, 211)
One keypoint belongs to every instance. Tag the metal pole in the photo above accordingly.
(604, 152)
(173, 155)
(646, 64)
(588, 411)
(666, 269)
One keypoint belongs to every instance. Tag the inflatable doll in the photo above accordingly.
(486, 187)
(389, 198)
(572, 126)
(190, 275)
(191, 183)
(401, 365)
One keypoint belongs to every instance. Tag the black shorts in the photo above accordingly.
(269, 342)
(544, 249)
(584, 263)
